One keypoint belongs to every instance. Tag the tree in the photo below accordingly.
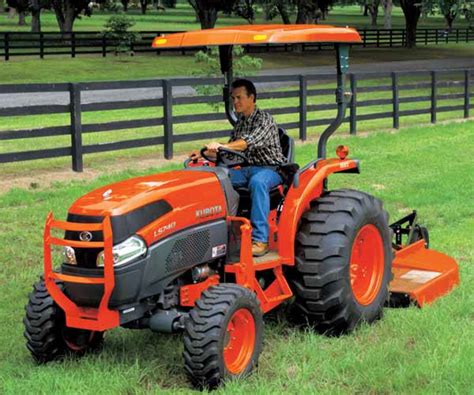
(450, 9)
(373, 7)
(412, 11)
(272, 8)
(21, 7)
(468, 11)
(207, 10)
(246, 9)
(387, 13)
(68, 10)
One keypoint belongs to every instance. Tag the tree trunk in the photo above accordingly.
(36, 21)
(373, 7)
(284, 14)
(21, 18)
(412, 14)
(125, 5)
(366, 10)
(449, 21)
(11, 13)
(35, 16)
(387, 13)
(207, 18)
(143, 5)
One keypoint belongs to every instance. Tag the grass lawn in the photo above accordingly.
(410, 350)
(183, 18)
(95, 68)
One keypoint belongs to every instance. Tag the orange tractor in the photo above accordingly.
(172, 251)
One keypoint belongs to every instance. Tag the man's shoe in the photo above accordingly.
(259, 248)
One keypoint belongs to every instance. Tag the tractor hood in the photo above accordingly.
(154, 206)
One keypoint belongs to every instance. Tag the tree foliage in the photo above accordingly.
(117, 29)
(244, 65)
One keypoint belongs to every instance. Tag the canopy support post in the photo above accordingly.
(343, 97)
(225, 57)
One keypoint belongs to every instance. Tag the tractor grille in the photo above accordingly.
(188, 251)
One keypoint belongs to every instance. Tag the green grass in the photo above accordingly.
(416, 351)
(183, 18)
(24, 70)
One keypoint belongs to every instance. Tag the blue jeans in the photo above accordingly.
(259, 180)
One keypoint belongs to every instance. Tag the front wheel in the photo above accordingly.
(47, 336)
(343, 262)
(223, 335)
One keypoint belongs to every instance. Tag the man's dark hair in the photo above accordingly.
(248, 85)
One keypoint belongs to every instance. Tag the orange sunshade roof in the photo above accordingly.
(259, 34)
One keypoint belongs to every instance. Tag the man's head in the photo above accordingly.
(244, 96)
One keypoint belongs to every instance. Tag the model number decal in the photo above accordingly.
(164, 229)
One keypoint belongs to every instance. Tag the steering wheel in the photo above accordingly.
(226, 156)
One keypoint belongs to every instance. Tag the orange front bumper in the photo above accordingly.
(97, 319)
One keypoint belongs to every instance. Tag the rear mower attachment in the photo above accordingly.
(421, 275)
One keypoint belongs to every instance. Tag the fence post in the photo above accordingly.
(104, 45)
(303, 106)
(457, 36)
(76, 126)
(353, 105)
(467, 35)
(73, 45)
(378, 38)
(396, 101)
(168, 118)
(7, 46)
(391, 38)
(466, 93)
(41, 37)
(364, 38)
(426, 36)
(433, 97)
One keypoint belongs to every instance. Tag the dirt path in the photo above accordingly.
(43, 179)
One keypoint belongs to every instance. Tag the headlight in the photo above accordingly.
(125, 252)
(69, 255)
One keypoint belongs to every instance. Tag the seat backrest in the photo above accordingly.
(287, 145)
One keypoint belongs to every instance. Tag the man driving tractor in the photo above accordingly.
(256, 134)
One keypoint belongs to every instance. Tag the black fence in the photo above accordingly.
(79, 43)
(298, 102)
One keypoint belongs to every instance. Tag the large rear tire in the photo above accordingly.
(343, 262)
(223, 336)
(47, 336)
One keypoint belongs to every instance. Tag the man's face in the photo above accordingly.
(243, 103)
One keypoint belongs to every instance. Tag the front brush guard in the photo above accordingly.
(97, 319)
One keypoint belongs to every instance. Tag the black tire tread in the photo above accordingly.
(318, 278)
(202, 333)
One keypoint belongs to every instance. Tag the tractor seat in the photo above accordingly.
(286, 171)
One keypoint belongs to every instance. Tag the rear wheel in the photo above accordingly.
(343, 262)
(47, 336)
(223, 335)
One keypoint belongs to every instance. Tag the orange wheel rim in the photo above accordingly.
(239, 341)
(367, 264)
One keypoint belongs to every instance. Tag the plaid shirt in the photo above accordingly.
(260, 133)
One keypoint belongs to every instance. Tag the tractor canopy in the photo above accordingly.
(259, 34)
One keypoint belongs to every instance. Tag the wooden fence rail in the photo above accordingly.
(79, 43)
(442, 91)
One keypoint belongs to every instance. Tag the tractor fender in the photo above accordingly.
(309, 186)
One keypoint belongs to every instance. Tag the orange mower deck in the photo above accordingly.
(422, 274)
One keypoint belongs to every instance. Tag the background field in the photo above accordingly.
(183, 18)
(409, 351)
